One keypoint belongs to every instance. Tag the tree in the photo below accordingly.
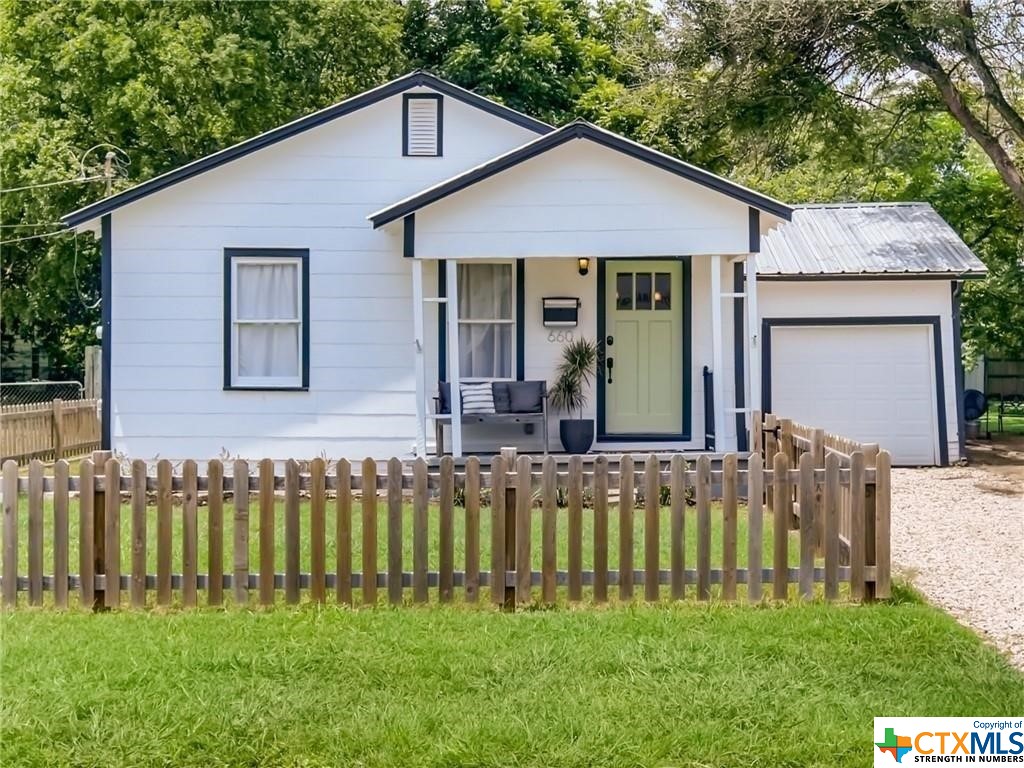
(165, 82)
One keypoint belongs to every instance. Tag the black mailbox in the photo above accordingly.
(561, 311)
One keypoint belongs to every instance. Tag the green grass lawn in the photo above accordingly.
(666, 685)
(433, 538)
(1013, 423)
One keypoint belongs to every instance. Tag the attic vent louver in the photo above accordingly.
(422, 125)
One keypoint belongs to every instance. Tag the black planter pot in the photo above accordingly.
(577, 434)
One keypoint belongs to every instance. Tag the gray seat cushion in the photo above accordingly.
(502, 398)
(526, 396)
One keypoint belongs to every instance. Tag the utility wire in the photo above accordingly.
(35, 237)
(52, 184)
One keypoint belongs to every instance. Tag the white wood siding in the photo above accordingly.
(311, 191)
(582, 199)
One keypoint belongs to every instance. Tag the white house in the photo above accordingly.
(302, 293)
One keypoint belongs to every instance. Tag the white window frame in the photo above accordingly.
(513, 321)
(267, 382)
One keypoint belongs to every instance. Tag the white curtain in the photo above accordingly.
(268, 292)
(485, 293)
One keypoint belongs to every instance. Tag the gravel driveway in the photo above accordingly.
(958, 536)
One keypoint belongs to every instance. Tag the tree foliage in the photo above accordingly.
(805, 99)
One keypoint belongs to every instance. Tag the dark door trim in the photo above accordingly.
(602, 287)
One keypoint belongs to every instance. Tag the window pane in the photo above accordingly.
(643, 291)
(662, 290)
(485, 351)
(268, 350)
(624, 291)
(267, 292)
(485, 291)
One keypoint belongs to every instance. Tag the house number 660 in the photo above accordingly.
(559, 336)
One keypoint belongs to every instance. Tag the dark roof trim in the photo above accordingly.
(580, 130)
(807, 277)
(365, 99)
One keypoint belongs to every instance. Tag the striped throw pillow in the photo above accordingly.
(477, 398)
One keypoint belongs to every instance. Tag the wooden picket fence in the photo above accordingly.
(50, 430)
(514, 485)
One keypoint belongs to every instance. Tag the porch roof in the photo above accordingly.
(578, 129)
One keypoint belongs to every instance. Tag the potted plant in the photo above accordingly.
(580, 362)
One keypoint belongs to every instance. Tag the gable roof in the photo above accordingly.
(366, 98)
(579, 129)
(858, 239)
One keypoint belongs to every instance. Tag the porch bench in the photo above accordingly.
(507, 395)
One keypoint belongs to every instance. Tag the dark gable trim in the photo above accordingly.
(107, 293)
(409, 236)
(754, 227)
(520, 319)
(581, 130)
(269, 253)
(365, 99)
(406, 98)
(768, 323)
(874, 276)
(739, 363)
(602, 286)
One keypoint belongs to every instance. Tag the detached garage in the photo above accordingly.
(860, 326)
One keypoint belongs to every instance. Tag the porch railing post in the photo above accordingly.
(452, 316)
(420, 363)
(718, 353)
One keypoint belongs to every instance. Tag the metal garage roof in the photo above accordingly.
(866, 239)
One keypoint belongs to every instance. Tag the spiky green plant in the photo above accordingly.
(580, 360)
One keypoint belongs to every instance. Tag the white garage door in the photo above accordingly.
(873, 383)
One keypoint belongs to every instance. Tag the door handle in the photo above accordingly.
(610, 363)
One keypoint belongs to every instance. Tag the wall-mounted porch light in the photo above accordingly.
(584, 264)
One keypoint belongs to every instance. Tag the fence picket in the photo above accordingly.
(420, 543)
(318, 530)
(86, 530)
(343, 532)
(883, 524)
(755, 526)
(369, 507)
(472, 502)
(780, 526)
(652, 532)
(395, 531)
(575, 493)
(729, 525)
(60, 534)
(677, 500)
(498, 530)
(267, 532)
(292, 524)
(163, 532)
(112, 533)
(857, 549)
(138, 583)
(524, 504)
(189, 534)
(10, 566)
(446, 543)
(808, 526)
(626, 502)
(240, 560)
(703, 527)
(215, 532)
(831, 514)
(35, 532)
(601, 529)
(549, 530)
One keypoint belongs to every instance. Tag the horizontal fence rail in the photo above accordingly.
(116, 535)
(50, 430)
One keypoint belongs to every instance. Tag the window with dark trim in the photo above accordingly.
(422, 125)
(266, 318)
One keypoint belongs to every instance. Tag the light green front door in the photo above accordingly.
(644, 343)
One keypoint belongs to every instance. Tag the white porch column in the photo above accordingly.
(718, 352)
(420, 362)
(753, 333)
(452, 315)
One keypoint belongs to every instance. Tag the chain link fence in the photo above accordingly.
(31, 392)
